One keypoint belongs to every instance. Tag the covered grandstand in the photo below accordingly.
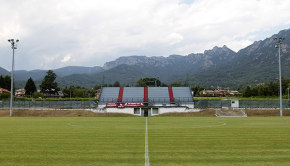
(146, 101)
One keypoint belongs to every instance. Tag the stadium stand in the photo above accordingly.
(182, 95)
(109, 95)
(148, 96)
(158, 95)
(133, 95)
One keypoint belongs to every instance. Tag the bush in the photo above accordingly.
(37, 95)
(4, 96)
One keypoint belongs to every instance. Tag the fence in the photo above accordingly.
(203, 104)
(48, 104)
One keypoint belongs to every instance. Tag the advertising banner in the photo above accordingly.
(133, 104)
(111, 104)
(123, 105)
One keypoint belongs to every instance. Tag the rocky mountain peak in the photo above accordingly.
(219, 51)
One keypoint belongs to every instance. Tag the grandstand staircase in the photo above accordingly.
(121, 92)
(145, 96)
(170, 91)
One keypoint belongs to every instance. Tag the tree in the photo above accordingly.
(96, 87)
(4, 96)
(247, 92)
(272, 89)
(196, 90)
(79, 92)
(175, 84)
(5, 82)
(148, 82)
(262, 90)
(30, 87)
(116, 84)
(37, 95)
(48, 84)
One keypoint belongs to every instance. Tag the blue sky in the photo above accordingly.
(60, 33)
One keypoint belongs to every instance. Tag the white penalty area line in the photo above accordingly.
(146, 146)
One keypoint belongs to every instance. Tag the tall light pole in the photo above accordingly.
(278, 45)
(155, 81)
(13, 46)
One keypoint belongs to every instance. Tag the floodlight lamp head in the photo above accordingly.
(276, 45)
(17, 40)
(9, 40)
(275, 38)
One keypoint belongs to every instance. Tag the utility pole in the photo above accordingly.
(278, 45)
(13, 46)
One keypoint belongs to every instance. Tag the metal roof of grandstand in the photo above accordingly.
(146, 94)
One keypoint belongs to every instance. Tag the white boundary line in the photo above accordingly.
(146, 146)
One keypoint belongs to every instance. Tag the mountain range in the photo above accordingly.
(219, 66)
(254, 64)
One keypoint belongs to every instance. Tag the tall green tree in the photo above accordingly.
(48, 84)
(30, 87)
(247, 92)
(116, 84)
(5, 82)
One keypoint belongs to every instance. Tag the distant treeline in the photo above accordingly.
(267, 89)
(264, 89)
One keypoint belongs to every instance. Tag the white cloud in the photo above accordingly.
(173, 38)
(66, 58)
(97, 31)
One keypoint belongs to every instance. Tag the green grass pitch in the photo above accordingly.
(120, 141)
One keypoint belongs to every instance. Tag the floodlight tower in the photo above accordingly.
(278, 45)
(155, 81)
(13, 46)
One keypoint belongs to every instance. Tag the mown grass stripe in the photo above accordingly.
(146, 146)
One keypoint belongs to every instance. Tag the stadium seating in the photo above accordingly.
(158, 95)
(182, 95)
(133, 95)
(109, 94)
(153, 95)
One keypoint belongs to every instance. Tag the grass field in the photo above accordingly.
(120, 141)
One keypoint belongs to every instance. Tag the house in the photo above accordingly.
(207, 92)
(2, 90)
(20, 92)
(57, 94)
(234, 92)
(219, 92)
